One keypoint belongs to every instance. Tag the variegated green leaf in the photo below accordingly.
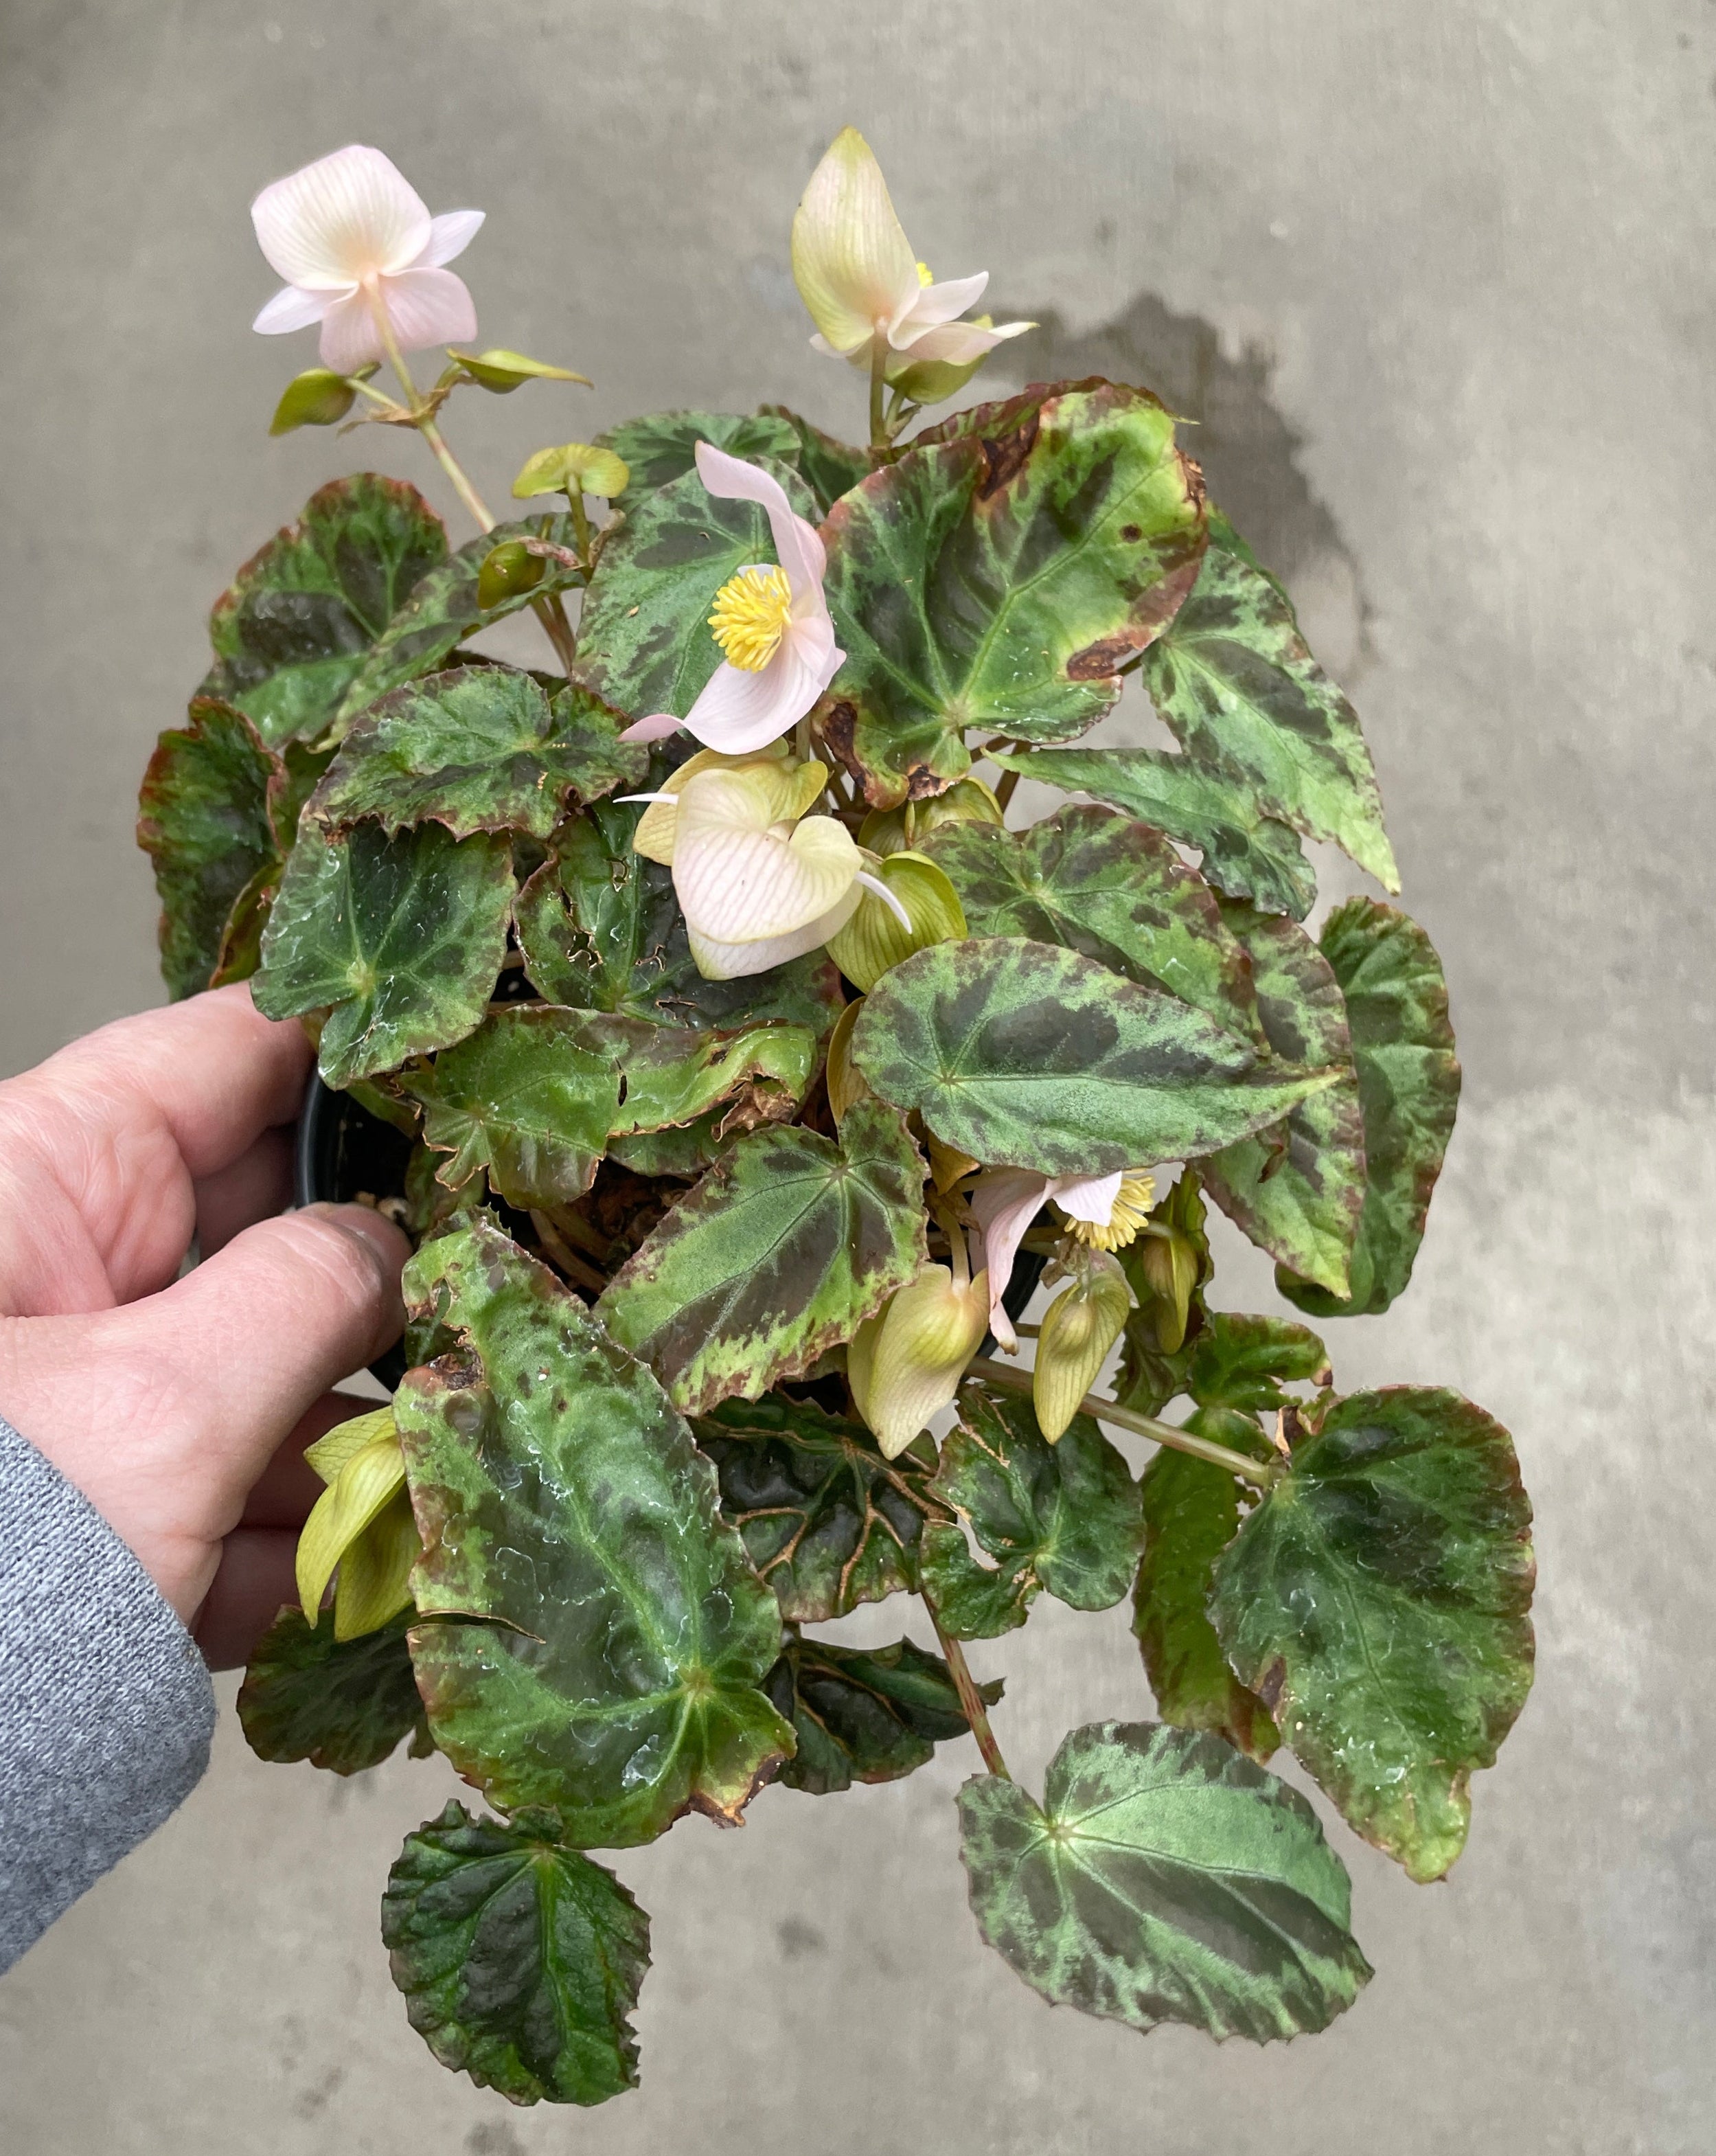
(782, 1251)
(864, 1714)
(602, 1635)
(662, 446)
(1164, 1878)
(341, 1704)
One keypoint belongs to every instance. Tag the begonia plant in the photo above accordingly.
(749, 1065)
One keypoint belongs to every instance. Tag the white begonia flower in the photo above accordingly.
(351, 236)
(771, 623)
(858, 277)
(1104, 1211)
(906, 1363)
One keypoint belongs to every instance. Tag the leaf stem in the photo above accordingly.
(954, 1654)
(880, 442)
(1253, 1471)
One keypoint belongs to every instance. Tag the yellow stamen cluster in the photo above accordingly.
(751, 611)
(923, 275)
(1131, 1210)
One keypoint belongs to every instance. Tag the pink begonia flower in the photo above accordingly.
(859, 278)
(771, 624)
(1007, 1200)
(351, 235)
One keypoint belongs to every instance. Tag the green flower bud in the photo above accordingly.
(1168, 1265)
(1079, 1328)
(875, 939)
(508, 570)
(573, 468)
(906, 1362)
(502, 371)
(317, 398)
(357, 1525)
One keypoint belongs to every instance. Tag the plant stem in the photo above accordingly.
(954, 1654)
(879, 440)
(580, 525)
(1005, 790)
(1253, 1471)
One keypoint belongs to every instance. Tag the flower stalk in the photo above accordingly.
(1254, 1471)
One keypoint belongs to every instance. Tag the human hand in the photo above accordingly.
(181, 1408)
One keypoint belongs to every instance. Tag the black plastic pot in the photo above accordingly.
(344, 1152)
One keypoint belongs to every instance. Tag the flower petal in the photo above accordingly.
(292, 308)
(1087, 1197)
(350, 337)
(347, 217)
(1004, 1203)
(450, 234)
(797, 546)
(658, 826)
(852, 261)
(732, 962)
(656, 728)
(428, 306)
(737, 883)
(959, 343)
(934, 303)
(738, 712)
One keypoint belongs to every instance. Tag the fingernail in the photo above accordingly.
(389, 1243)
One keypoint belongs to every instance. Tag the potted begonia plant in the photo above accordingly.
(737, 1061)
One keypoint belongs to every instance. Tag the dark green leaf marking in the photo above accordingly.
(618, 1633)
(782, 1251)
(1378, 1600)
(520, 1959)
(203, 821)
(443, 609)
(1165, 1878)
(1112, 889)
(1247, 851)
(826, 1520)
(299, 620)
(528, 1097)
(1026, 1055)
(1409, 1091)
(644, 641)
(1191, 1513)
(399, 939)
(478, 748)
(341, 1704)
(1298, 1191)
(868, 1715)
(1065, 1517)
(662, 446)
(1000, 581)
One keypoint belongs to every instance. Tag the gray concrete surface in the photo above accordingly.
(1440, 284)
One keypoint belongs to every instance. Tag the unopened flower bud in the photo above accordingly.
(317, 398)
(1079, 1329)
(1169, 1266)
(906, 1362)
(502, 371)
(877, 939)
(573, 468)
(508, 570)
(362, 1524)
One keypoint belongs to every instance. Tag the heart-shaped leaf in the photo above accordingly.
(399, 939)
(1000, 581)
(826, 1520)
(520, 1959)
(1409, 1092)
(478, 748)
(1065, 1517)
(1112, 889)
(341, 1704)
(864, 1715)
(602, 1634)
(782, 1251)
(1378, 1600)
(1164, 1878)
(1023, 1054)
(1298, 1191)
(298, 623)
(203, 820)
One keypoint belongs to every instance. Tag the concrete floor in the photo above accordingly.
(1440, 284)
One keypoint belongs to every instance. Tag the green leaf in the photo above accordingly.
(1298, 1191)
(1000, 581)
(299, 620)
(317, 398)
(826, 1520)
(864, 1715)
(528, 1097)
(443, 609)
(662, 446)
(1243, 1362)
(520, 1959)
(1165, 1878)
(674, 1075)
(478, 748)
(1022, 1055)
(782, 1251)
(341, 1704)
(400, 940)
(1067, 1516)
(830, 468)
(1190, 1514)
(601, 929)
(203, 821)
(644, 641)
(619, 1633)
(1237, 685)
(502, 371)
(1111, 888)
(1378, 1600)
(1247, 852)
(1409, 1090)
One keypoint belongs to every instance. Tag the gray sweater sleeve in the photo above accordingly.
(106, 1709)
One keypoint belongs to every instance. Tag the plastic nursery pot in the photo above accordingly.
(345, 1153)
